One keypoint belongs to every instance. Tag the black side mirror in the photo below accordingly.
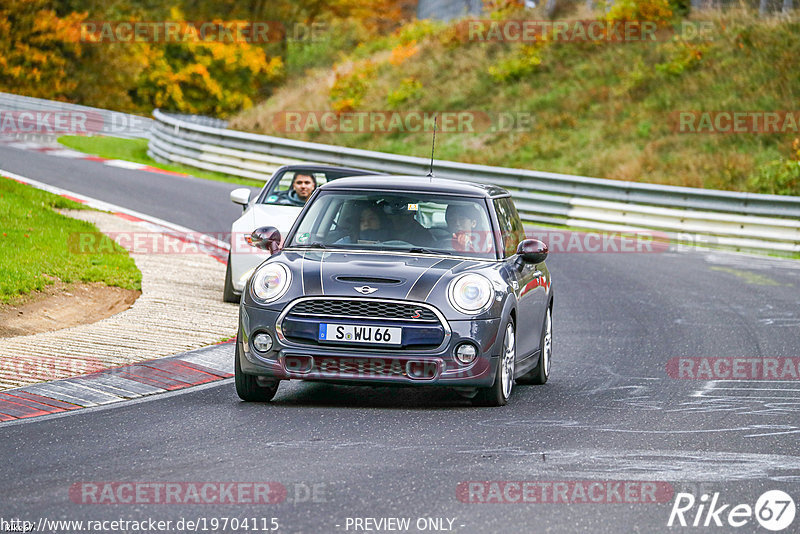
(532, 251)
(266, 238)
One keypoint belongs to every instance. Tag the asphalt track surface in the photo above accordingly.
(610, 411)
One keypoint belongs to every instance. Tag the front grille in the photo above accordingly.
(422, 329)
(364, 309)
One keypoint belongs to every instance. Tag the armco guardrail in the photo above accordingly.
(87, 120)
(725, 218)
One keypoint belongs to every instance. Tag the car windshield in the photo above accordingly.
(391, 220)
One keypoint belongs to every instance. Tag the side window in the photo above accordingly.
(517, 229)
(510, 225)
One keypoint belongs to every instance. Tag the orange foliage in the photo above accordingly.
(401, 53)
(377, 16)
(41, 55)
(38, 49)
(208, 78)
(658, 11)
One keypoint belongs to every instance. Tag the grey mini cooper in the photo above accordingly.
(403, 280)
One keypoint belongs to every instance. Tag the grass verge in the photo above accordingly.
(135, 150)
(35, 246)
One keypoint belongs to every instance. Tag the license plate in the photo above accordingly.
(349, 333)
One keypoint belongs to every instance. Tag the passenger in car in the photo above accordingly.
(463, 223)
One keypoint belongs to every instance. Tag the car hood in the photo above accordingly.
(392, 276)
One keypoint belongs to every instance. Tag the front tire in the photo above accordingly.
(248, 387)
(228, 294)
(539, 374)
(500, 391)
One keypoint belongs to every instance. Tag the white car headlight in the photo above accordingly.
(270, 282)
(471, 293)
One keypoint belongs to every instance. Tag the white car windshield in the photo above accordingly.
(399, 221)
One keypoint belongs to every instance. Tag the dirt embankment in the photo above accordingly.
(62, 306)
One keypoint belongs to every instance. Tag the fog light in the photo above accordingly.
(466, 353)
(262, 342)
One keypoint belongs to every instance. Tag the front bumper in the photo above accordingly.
(289, 359)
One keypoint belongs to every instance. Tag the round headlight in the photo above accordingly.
(271, 281)
(471, 293)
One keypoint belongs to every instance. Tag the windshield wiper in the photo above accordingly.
(315, 244)
(420, 250)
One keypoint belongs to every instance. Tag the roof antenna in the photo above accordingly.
(433, 146)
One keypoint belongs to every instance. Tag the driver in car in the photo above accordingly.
(370, 229)
(302, 187)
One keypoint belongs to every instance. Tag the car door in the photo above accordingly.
(529, 286)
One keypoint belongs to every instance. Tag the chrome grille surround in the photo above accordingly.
(426, 308)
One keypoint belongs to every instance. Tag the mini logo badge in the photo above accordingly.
(366, 290)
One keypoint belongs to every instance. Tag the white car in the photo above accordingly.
(275, 205)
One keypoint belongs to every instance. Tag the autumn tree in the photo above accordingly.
(38, 50)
